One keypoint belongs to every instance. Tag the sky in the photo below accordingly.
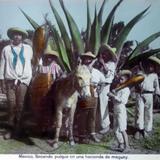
(11, 16)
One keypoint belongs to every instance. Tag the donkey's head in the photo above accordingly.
(83, 77)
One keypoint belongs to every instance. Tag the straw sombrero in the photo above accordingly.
(154, 60)
(13, 30)
(88, 54)
(108, 49)
(49, 51)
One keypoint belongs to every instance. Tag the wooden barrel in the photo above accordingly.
(88, 102)
(40, 85)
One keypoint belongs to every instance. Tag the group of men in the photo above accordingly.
(16, 75)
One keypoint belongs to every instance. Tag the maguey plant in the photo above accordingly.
(99, 31)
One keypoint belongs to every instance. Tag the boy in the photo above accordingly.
(120, 99)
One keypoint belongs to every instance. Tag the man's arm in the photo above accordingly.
(2, 68)
(156, 86)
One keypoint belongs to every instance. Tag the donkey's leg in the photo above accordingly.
(71, 120)
(54, 142)
(58, 124)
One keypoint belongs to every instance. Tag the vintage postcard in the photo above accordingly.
(79, 79)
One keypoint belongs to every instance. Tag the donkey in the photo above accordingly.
(64, 93)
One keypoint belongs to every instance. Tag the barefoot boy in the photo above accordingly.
(120, 98)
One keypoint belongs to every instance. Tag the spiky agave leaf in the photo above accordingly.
(95, 34)
(31, 21)
(64, 35)
(101, 11)
(106, 29)
(60, 46)
(141, 57)
(88, 29)
(75, 33)
(52, 43)
(124, 33)
(144, 43)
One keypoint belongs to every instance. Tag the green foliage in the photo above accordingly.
(106, 29)
(141, 57)
(88, 29)
(153, 142)
(74, 31)
(124, 33)
(96, 34)
(31, 21)
(60, 46)
(64, 35)
(144, 43)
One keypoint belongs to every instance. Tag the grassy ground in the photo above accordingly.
(36, 145)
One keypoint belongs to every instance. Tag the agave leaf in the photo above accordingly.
(88, 30)
(101, 12)
(124, 33)
(61, 48)
(95, 35)
(31, 21)
(144, 43)
(106, 29)
(75, 33)
(52, 43)
(140, 57)
(64, 36)
(61, 27)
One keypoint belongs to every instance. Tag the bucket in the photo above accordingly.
(88, 102)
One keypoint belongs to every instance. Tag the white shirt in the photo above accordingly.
(19, 73)
(96, 78)
(53, 68)
(122, 96)
(111, 66)
(150, 83)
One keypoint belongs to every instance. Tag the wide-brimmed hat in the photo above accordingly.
(88, 54)
(108, 49)
(49, 51)
(13, 30)
(154, 60)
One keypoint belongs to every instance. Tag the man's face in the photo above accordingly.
(86, 60)
(105, 56)
(17, 38)
(47, 60)
(151, 68)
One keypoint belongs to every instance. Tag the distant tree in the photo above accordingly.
(116, 29)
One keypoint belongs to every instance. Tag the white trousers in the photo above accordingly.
(104, 112)
(120, 121)
(144, 119)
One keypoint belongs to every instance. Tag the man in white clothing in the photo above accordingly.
(150, 86)
(97, 78)
(16, 74)
(107, 60)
